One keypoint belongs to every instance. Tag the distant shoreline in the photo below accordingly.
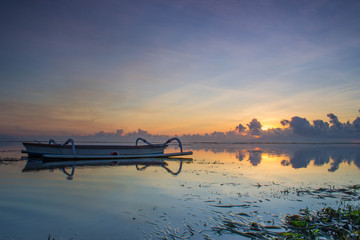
(198, 142)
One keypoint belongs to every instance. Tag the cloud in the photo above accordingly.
(254, 127)
(284, 122)
(301, 126)
(298, 129)
(335, 121)
(240, 128)
(356, 123)
(334, 129)
(320, 125)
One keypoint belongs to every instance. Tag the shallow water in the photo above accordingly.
(154, 200)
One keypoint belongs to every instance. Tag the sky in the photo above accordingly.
(175, 67)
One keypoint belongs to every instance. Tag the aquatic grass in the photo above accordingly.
(53, 238)
(349, 193)
(244, 221)
(327, 223)
(343, 223)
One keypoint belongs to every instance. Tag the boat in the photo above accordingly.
(68, 150)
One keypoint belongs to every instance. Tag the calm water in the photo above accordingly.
(157, 199)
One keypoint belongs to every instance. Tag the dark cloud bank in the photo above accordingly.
(297, 129)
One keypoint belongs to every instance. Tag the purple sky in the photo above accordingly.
(175, 67)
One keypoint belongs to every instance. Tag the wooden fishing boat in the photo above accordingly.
(69, 150)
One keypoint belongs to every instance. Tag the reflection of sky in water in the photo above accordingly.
(129, 202)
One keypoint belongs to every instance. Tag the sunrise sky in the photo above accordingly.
(175, 67)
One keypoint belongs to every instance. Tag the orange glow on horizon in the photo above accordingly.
(266, 127)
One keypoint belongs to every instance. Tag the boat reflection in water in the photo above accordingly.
(68, 167)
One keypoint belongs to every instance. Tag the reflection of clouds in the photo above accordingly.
(337, 158)
(321, 157)
(285, 163)
(357, 161)
(324, 155)
(240, 155)
(255, 157)
(301, 155)
(334, 166)
(301, 159)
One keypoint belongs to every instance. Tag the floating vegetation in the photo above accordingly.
(184, 232)
(243, 220)
(53, 238)
(345, 193)
(343, 223)
(328, 223)
(231, 206)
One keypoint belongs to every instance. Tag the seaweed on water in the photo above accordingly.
(347, 192)
(343, 223)
(328, 223)
(53, 238)
(231, 206)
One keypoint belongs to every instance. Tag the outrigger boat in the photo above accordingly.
(68, 150)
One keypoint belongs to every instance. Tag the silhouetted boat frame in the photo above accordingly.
(53, 150)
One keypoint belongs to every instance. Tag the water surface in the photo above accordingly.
(167, 198)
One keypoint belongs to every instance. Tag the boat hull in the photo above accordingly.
(54, 157)
(40, 149)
